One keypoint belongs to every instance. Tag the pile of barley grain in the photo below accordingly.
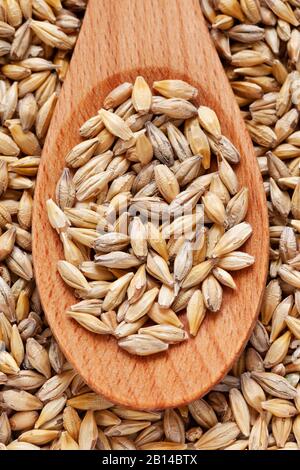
(257, 406)
(138, 245)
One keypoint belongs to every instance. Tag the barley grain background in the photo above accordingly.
(43, 402)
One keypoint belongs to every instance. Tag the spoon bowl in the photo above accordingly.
(159, 39)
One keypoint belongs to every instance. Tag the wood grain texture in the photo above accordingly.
(158, 39)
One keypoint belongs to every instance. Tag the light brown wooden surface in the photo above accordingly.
(158, 39)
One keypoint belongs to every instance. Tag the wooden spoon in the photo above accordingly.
(158, 39)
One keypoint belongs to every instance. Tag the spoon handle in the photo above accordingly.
(169, 36)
